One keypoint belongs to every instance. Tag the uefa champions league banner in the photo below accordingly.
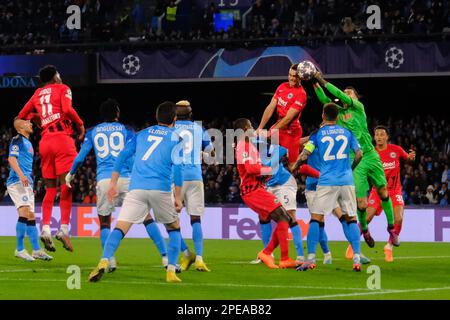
(355, 60)
(240, 223)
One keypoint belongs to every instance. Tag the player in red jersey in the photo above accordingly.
(390, 155)
(289, 101)
(255, 196)
(53, 104)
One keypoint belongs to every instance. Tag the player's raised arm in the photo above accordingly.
(321, 94)
(84, 151)
(290, 115)
(27, 111)
(310, 146)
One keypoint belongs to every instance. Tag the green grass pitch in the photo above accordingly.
(420, 271)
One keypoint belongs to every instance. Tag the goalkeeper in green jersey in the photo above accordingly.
(353, 117)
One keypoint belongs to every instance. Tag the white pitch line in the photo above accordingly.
(355, 294)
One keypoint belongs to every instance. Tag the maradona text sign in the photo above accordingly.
(18, 82)
(420, 225)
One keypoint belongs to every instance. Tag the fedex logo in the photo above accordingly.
(282, 102)
(389, 165)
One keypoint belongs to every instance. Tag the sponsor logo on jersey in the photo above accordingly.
(393, 155)
(346, 116)
(389, 165)
(282, 102)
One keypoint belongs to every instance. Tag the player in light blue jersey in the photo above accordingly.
(108, 139)
(155, 150)
(195, 139)
(20, 188)
(335, 184)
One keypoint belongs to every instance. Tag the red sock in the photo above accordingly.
(309, 171)
(47, 205)
(65, 203)
(282, 232)
(273, 244)
(397, 228)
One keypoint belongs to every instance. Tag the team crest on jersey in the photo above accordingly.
(393, 155)
(276, 200)
(24, 198)
(372, 201)
(15, 148)
(290, 95)
(245, 155)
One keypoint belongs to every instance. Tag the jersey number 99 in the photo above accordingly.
(104, 146)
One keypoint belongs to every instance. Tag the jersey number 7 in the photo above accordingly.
(156, 141)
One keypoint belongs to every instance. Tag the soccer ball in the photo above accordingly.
(131, 64)
(306, 70)
(394, 57)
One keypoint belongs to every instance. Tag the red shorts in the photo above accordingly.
(262, 202)
(290, 139)
(57, 154)
(375, 202)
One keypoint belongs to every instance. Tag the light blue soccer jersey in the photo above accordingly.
(313, 162)
(21, 148)
(153, 148)
(281, 174)
(195, 139)
(333, 144)
(107, 139)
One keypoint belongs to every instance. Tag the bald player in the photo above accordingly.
(195, 139)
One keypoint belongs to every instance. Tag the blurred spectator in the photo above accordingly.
(430, 195)
(90, 197)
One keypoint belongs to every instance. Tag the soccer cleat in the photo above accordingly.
(24, 255)
(349, 252)
(364, 259)
(256, 261)
(357, 267)
(47, 241)
(388, 257)
(289, 263)
(99, 270)
(177, 268)
(201, 266)
(171, 276)
(112, 265)
(64, 238)
(368, 238)
(187, 261)
(306, 266)
(41, 255)
(327, 259)
(393, 237)
(267, 259)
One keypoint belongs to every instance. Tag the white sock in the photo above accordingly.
(171, 267)
(356, 258)
(312, 257)
(65, 229)
(165, 261)
(389, 246)
(186, 253)
(198, 259)
(46, 229)
(327, 254)
(300, 258)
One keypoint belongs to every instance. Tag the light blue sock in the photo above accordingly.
(21, 230)
(104, 233)
(183, 245)
(323, 239)
(266, 232)
(155, 235)
(345, 229)
(297, 237)
(112, 243)
(313, 236)
(174, 246)
(32, 234)
(355, 237)
(197, 236)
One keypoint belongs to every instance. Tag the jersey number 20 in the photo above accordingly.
(340, 154)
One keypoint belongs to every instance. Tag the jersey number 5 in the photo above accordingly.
(340, 154)
(156, 141)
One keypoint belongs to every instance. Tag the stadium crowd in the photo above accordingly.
(425, 181)
(44, 22)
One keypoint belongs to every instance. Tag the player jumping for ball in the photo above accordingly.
(353, 117)
(53, 103)
(289, 101)
(257, 198)
(390, 155)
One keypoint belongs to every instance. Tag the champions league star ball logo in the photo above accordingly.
(131, 64)
(394, 58)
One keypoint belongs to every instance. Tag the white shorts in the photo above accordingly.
(310, 194)
(138, 203)
(104, 206)
(327, 198)
(286, 194)
(21, 196)
(193, 195)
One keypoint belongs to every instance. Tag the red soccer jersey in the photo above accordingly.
(290, 97)
(249, 167)
(390, 158)
(53, 103)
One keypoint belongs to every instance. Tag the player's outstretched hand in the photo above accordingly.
(412, 155)
(24, 181)
(82, 133)
(112, 192)
(68, 179)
